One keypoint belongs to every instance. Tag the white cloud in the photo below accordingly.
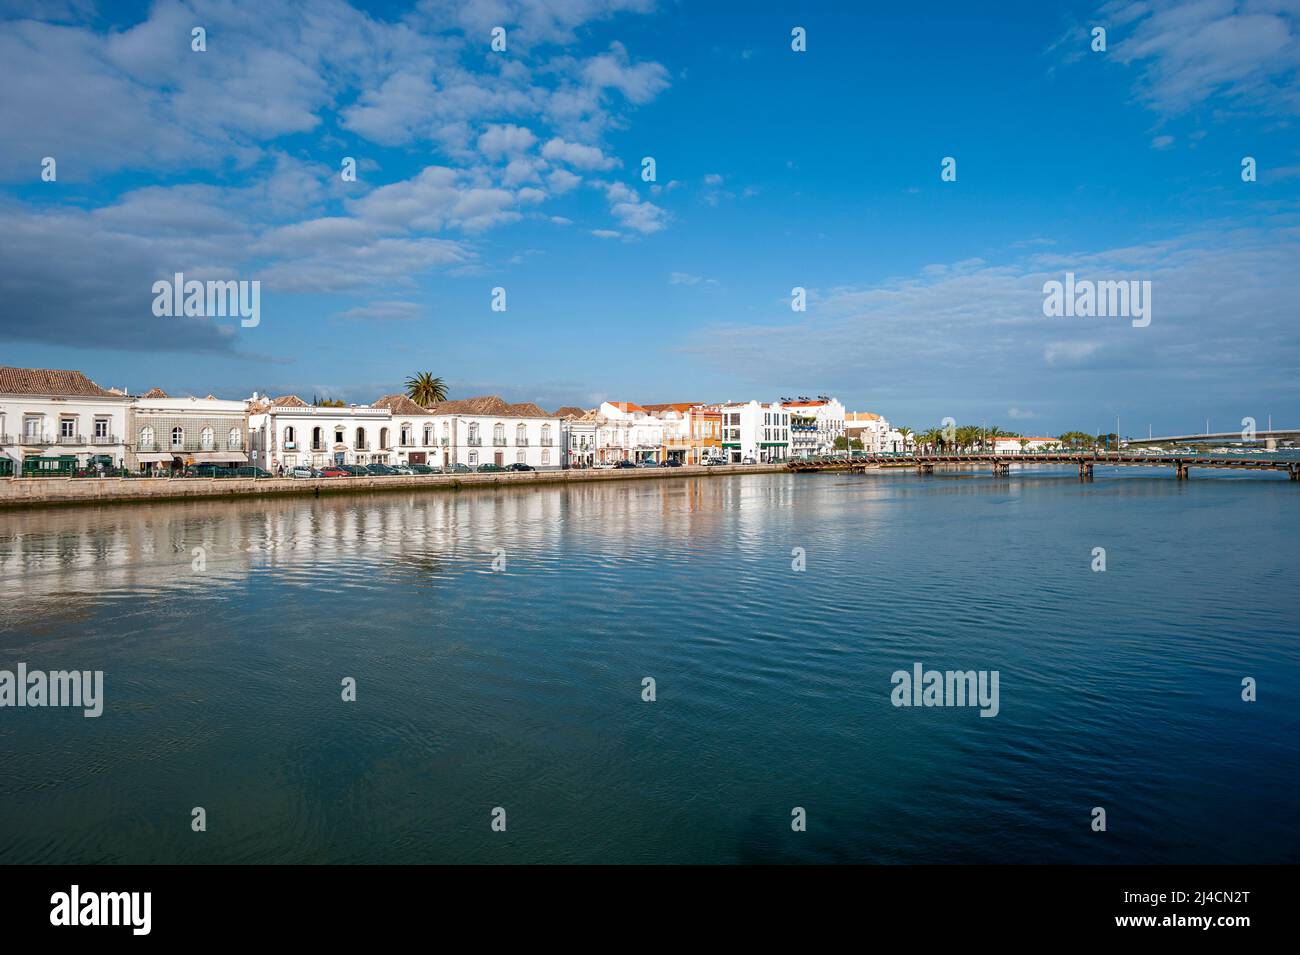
(577, 155)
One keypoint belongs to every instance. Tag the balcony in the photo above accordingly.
(104, 439)
(521, 442)
(444, 441)
(499, 442)
(473, 442)
(361, 446)
(547, 443)
(71, 439)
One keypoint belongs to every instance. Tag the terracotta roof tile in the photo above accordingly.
(399, 405)
(49, 381)
(155, 393)
(489, 406)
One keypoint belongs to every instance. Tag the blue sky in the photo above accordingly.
(775, 169)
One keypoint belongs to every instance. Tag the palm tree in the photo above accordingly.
(906, 433)
(425, 390)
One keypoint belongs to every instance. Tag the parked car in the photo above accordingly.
(335, 470)
(489, 468)
(749, 461)
(422, 469)
(649, 463)
(303, 471)
(402, 468)
(353, 470)
(671, 463)
(457, 469)
(624, 464)
(249, 470)
(712, 462)
(208, 470)
(379, 469)
(521, 467)
(602, 466)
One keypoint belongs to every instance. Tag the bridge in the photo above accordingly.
(925, 463)
(1269, 438)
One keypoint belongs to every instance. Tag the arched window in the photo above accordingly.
(178, 437)
(208, 437)
(383, 438)
(234, 440)
(499, 433)
(546, 435)
(428, 435)
(361, 439)
(317, 439)
(473, 432)
(408, 432)
(146, 437)
(521, 434)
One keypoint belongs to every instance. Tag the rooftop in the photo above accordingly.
(50, 381)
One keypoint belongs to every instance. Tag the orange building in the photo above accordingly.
(692, 431)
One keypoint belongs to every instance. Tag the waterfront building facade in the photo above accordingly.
(627, 432)
(488, 430)
(875, 432)
(170, 434)
(286, 432)
(1014, 445)
(815, 424)
(414, 436)
(692, 431)
(577, 437)
(755, 431)
(55, 420)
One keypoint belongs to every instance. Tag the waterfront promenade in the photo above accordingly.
(40, 492)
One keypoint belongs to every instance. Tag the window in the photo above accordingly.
(428, 435)
(101, 428)
(521, 434)
(338, 435)
(146, 437)
(290, 437)
(361, 439)
(473, 433)
(178, 437)
(233, 440)
(407, 432)
(546, 457)
(473, 457)
(208, 437)
(546, 434)
(67, 427)
(499, 433)
(520, 457)
(383, 438)
(317, 439)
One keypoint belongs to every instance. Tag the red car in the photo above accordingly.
(333, 470)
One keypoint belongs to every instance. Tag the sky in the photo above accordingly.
(522, 170)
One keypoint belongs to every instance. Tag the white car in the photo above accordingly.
(302, 471)
(403, 469)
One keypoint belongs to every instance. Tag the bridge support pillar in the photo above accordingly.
(1294, 472)
(1184, 472)
(925, 469)
(1270, 444)
(1085, 471)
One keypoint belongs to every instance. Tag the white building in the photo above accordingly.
(876, 434)
(287, 431)
(627, 432)
(577, 437)
(815, 424)
(488, 430)
(172, 433)
(59, 420)
(1006, 445)
(415, 436)
(755, 431)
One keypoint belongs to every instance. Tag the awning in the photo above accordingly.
(155, 457)
(217, 457)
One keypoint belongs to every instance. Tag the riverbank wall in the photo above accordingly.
(44, 492)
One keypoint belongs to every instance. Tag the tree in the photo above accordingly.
(424, 389)
(319, 402)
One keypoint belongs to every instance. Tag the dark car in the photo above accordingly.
(649, 463)
(457, 469)
(625, 464)
(489, 468)
(378, 468)
(353, 470)
(421, 469)
(208, 471)
(334, 470)
(521, 467)
(249, 470)
(671, 463)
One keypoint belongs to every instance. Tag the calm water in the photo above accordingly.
(522, 688)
